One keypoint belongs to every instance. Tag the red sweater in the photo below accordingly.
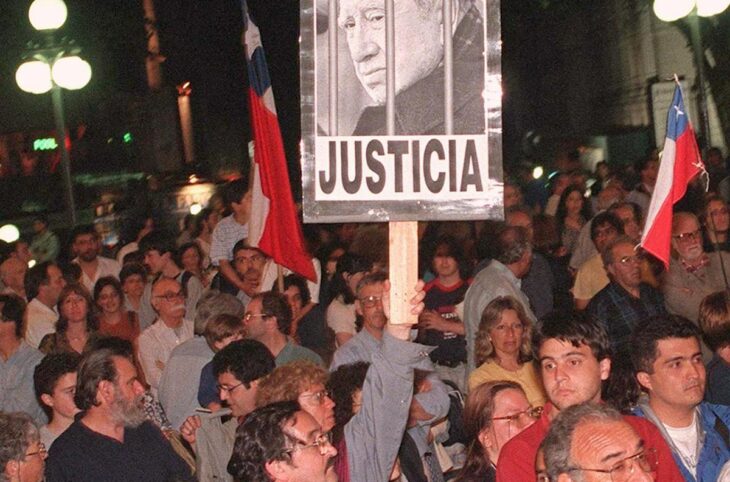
(517, 458)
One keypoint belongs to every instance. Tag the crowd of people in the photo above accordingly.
(548, 347)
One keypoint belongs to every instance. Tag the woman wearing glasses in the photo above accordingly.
(502, 349)
(493, 413)
(77, 324)
(22, 455)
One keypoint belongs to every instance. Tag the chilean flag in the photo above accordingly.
(274, 227)
(681, 162)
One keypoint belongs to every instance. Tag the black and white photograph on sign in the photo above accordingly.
(439, 157)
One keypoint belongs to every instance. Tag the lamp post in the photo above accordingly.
(52, 66)
(672, 10)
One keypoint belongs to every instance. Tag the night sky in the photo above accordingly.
(201, 42)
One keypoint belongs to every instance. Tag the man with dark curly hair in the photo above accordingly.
(282, 442)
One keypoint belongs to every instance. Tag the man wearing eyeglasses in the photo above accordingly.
(668, 359)
(268, 320)
(22, 454)
(238, 368)
(282, 443)
(693, 274)
(591, 443)
(625, 302)
(167, 332)
(572, 351)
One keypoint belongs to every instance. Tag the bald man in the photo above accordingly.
(169, 330)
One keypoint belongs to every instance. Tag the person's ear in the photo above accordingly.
(105, 392)
(610, 269)
(358, 307)
(486, 438)
(644, 380)
(12, 470)
(47, 399)
(276, 469)
(605, 368)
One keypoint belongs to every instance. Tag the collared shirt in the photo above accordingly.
(292, 352)
(684, 291)
(225, 235)
(155, 346)
(106, 267)
(45, 247)
(493, 281)
(590, 279)
(418, 109)
(620, 312)
(40, 320)
(16, 383)
(178, 390)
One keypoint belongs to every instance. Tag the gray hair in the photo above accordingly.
(214, 303)
(512, 244)
(607, 253)
(17, 432)
(559, 439)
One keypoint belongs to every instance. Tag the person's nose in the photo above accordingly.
(362, 43)
(559, 374)
(524, 421)
(329, 450)
(328, 402)
(138, 388)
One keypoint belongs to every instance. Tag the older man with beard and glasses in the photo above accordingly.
(169, 331)
(693, 274)
(111, 440)
(668, 362)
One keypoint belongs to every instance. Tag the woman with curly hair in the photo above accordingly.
(77, 324)
(502, 349)
(493, 413)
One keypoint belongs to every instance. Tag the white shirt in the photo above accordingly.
(685, 441)
(40, 321)
(106, 267)
(155, 346)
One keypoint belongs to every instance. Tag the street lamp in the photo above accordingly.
(53, 66)
(672, 10)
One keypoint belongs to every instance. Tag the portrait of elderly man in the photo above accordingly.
(419, 64)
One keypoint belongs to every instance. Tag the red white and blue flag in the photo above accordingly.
(274, 227)
(680, 163)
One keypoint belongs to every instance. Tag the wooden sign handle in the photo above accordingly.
(403, 269)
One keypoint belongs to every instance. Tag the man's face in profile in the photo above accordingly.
(417, 41)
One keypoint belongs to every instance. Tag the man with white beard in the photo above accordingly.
(111, 440)
(169, 330)
(693, 274)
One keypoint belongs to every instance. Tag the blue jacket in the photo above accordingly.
(715, 451)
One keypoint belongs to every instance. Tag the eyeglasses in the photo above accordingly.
(717, 212)
(622, 470)
(247, 317)
(319, 397)
(322, 441)
(371, 301)
(532, 412)
(170, 297)
(41, 451)
(223, 388)
(636, 258)
(688, 237)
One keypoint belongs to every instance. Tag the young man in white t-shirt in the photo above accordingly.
(668, 359)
